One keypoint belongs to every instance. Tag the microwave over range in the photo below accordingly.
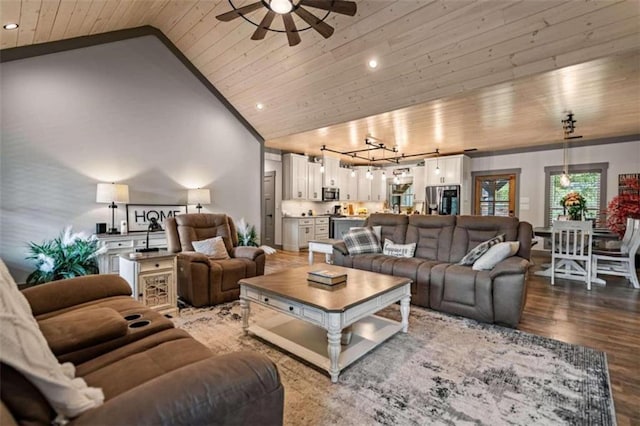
(330, 194)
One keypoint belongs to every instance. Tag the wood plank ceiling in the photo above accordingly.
(453, 74)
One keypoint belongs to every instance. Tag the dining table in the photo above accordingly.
(599, 234)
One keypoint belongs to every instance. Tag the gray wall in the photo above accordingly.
(126, 112)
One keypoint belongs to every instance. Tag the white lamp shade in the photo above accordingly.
(199, 196)
(112, 192)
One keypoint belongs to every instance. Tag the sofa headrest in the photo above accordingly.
(472, 230)
(394, 226)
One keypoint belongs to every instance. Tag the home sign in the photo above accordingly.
(139, 215)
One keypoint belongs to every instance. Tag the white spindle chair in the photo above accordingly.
(571, 250)
(623, 262)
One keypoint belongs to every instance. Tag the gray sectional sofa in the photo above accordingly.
(495, 296)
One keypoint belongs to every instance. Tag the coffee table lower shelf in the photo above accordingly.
(309, 341)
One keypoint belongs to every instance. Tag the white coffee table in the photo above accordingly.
(313, 316)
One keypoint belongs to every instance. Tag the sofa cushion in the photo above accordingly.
(196, 227)
(495, 255)
(394, 226)
(476, 252)
(374, 262)
(27, 404)
(361, 240)
(398, 250)
(212, 247)
(432, 235)
(472, 230)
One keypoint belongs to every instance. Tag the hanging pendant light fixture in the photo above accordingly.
(565, 180)
(568, 127)
(437, 171)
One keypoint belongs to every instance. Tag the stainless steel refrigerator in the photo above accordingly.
(443, 200)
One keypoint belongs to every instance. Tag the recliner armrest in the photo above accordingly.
(63, 294)
(81, 329)
(341, 247)
(511, 265)
(237, 388)
(193, 256)
(246, 252)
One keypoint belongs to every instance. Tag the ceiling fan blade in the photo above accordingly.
(338, 6)
(264, 26)
(314, 22)
(292, 31)
(228, 16)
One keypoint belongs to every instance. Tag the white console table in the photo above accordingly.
(118, 244)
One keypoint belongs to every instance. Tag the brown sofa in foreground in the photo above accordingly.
(202, 280)
(495, 296)
(154, 374)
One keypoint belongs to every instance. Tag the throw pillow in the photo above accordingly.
(361, 240)
(377, 230)
(475, 253)
(398, 250)
(212, 247)
(495, 255)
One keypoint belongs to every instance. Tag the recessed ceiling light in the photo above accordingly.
(373, 64)
(10, 26)
(259, 106)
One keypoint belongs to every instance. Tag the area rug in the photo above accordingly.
(446, 370)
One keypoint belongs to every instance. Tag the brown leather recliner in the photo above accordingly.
(202, 280)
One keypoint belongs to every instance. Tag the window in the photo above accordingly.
(590, 180)
(495, 195)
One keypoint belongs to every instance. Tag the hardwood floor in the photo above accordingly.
(606, 318)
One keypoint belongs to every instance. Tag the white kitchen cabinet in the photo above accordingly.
(419, 183)
(297, 232)
(348, 185)
(331, 177)
(364, 185)
(379, 185)
(452, 170)
(314, 188)
(294, 177)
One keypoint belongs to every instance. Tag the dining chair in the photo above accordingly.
(571, 243)
(623, 262)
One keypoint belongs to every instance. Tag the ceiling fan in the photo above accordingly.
(285, 8)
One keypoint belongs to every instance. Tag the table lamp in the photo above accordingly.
(198, 196)
(153, 227)
(112, 193)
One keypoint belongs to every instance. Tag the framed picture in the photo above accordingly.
(139, 215)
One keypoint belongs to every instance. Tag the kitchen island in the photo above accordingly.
(340, 225)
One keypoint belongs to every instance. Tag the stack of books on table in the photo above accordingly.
(327, 277)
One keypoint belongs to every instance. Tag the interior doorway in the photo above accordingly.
(495, 195)
(269, 198)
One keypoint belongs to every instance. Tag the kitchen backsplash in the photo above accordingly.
(296, 208)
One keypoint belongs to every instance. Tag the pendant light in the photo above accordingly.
(353, 172)
(437, 171)
(565, 180)
(568, 127)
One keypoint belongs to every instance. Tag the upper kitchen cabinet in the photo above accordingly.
(331, 176)
(379, 185)
(314, 188)
(419, 182)
(295, 177)
(348, 185)
(446, 170)
(364, 184)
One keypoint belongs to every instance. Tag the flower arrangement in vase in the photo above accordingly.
(67, 256)
(623, 206)
(575, 205)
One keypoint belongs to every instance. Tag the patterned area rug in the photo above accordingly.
(445, 371)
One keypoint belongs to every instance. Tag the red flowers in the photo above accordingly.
(623, 206)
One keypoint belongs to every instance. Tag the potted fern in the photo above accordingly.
(67, 256)
(247, 235)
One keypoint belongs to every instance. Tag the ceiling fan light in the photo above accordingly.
(565, 180)
(281, 6)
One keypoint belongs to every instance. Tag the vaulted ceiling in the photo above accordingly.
(452, 74)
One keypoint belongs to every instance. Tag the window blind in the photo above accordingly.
(588, 184)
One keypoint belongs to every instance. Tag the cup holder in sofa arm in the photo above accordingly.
(138, 324)
(132, 317)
